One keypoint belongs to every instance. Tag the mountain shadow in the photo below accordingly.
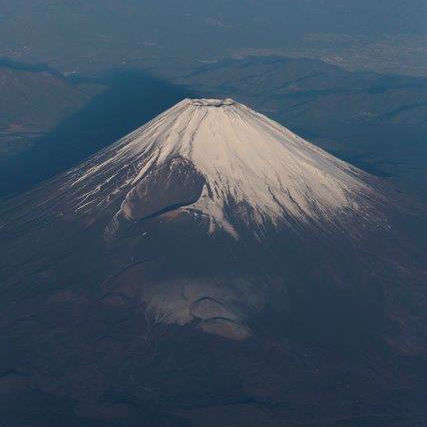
(132, 99)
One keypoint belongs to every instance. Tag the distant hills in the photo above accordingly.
(34, 99)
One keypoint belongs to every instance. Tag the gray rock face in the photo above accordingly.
(173, 185)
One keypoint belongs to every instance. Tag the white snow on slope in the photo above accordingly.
(245, 158)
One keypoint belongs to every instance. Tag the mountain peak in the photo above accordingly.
(253, 171)
(210, 102)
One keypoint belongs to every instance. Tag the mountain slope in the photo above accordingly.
(212, 264)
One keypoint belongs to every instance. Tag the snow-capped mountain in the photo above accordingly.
(213, 223)
(225, 162)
